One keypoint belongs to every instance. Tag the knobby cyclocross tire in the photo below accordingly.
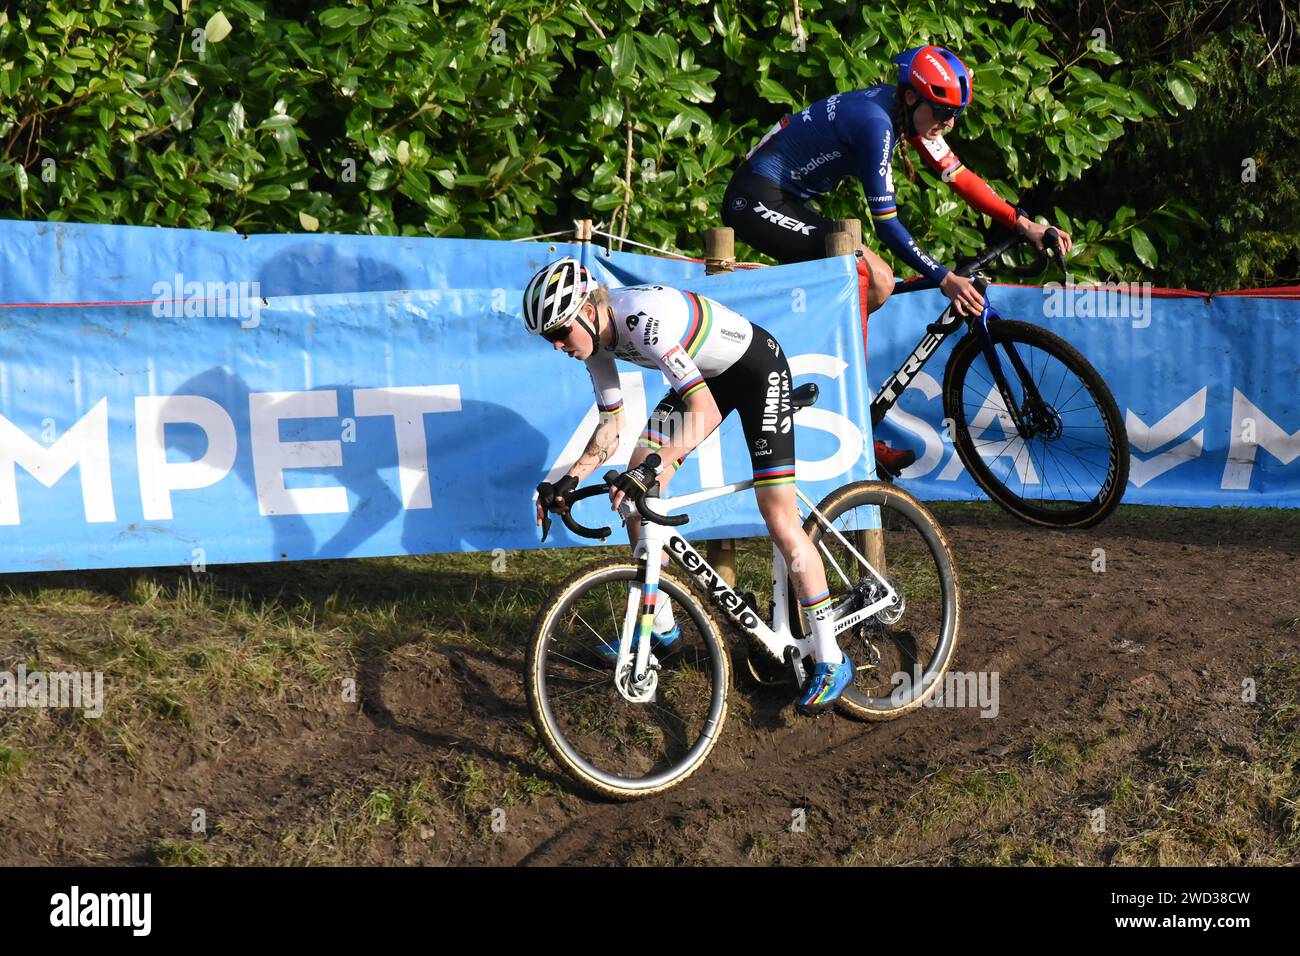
(898, 510)
(550, 628)
(1114, 474)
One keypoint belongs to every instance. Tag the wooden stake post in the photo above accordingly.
(843, 242)
(720, 256)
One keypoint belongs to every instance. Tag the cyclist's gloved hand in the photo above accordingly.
(635, 482)
(550, 497)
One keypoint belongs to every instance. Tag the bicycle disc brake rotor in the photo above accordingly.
(638, 692)
(1043, 419)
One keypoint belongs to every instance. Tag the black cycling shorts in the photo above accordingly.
(758, 387)
(773, 221)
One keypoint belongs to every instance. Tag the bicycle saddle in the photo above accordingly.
(805, 395)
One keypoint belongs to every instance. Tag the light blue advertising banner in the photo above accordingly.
(169, 396)
(210, 423)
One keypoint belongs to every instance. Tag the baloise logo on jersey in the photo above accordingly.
(812, 164)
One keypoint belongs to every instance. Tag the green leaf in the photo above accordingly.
(336, 17)
(1182, 91)
(217, 28)
(624, 57)
(1147, 105)
(536, 39)
(269, 194)
(381, 179)
(774, 92)
(1143, 247)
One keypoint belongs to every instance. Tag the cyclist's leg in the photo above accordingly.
(788, 229)
(771, 453)
(773, 221)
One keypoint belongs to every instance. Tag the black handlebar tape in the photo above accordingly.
(599, 534)
(657, 518)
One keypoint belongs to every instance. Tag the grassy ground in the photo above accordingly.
(191, 658)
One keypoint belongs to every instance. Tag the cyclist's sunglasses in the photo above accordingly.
(559, 333)
(943, 113)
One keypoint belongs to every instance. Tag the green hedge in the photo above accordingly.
(507, 118)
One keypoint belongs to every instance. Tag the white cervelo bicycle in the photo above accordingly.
(649, 719)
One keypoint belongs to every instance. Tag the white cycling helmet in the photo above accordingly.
(555, 295)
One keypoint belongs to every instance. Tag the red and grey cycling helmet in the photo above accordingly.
(937, 75)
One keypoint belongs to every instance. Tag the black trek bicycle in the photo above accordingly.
(1031, 419)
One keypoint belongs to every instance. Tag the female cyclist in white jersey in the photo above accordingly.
(716, 362)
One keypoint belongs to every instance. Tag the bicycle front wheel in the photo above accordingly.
(870, 530)
(1072, 469)
(619, 737)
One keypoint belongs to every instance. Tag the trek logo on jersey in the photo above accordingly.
(785, 222)
(814, 163)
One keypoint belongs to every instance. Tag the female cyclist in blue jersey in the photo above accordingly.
(854, 134)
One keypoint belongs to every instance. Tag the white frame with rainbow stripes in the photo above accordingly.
(777, 639)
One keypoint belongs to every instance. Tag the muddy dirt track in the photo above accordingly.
(1121, 702)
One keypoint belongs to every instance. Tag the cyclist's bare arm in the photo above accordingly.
(600, 447)
(701, 418)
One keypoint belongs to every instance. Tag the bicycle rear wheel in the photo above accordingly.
(615, 746)
(901, 652)
(1072, 470)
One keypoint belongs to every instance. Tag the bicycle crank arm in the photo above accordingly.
(795, 661)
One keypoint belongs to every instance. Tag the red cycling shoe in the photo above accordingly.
(890, 462)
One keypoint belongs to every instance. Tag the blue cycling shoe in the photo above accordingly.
(824, 687)
(658, 642)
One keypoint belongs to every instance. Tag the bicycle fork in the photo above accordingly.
(980, 329)
(634, 675)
